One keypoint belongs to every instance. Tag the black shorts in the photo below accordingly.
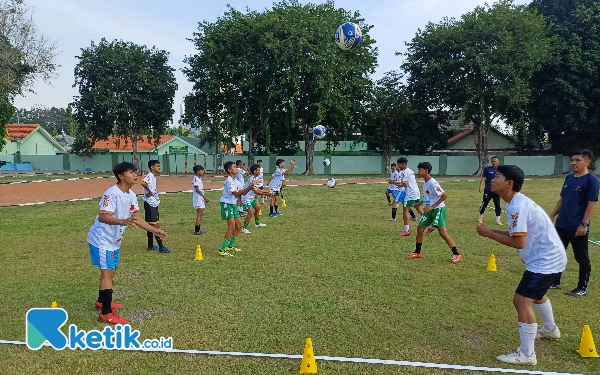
(151, 214)
(535, 285)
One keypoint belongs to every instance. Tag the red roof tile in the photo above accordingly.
(459, 136)
(20, 130)
(125, 144)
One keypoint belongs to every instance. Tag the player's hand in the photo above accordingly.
(160, 233)
(483, 230)
(293, 162)
(206, 200)
(427, 208)
(581, 231)
(130, 223)
(480, 189)
(149, 194)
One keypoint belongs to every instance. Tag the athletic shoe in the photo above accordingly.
(480, 221)
(245, 230)
(429, 230)
(405, 234)
(543, 334)
(260, 225)
(242, 214)
(111, 318)
(414, 256)
(154, 247)
(224, 254)
(271, 215)
(113, 306)
(413, 218)
(233, 249)
(456, 259)
(499, 223)
(518, 358)
(276, 213)
(199, 233)
(555, 286)
(577, 292)
(164, 250)
(390, 219)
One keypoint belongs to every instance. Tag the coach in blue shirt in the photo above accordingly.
(488, 175)
(575, 208)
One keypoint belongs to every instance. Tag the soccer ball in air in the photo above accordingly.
(326, 162)
(331, 182)
(319, 132)
(348, 36)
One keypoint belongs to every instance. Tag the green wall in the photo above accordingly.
(495, 142)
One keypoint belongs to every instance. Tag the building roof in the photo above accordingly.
(124, 144)
(20, 130)
(459, 136)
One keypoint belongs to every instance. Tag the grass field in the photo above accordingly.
(329, 268)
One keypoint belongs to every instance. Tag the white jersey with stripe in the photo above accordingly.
(432, 191)
(120, 205)
(251, 195)
(277, 179)
(412, 190)
(394, 176)
(229, 186)
(154, 200)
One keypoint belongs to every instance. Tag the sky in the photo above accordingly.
(74, 24)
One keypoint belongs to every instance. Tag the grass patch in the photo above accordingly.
(329, 268)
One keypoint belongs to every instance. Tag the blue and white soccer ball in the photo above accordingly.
(331, 182)
(326, 162)
(319, 131)
(348, 36)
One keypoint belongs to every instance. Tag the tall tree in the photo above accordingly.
(566, 95)
(125, 90)
(51, 119)
(479, 67)
(395, 121)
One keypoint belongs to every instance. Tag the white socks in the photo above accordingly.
(480, 216)
(497, 219)
(527, 333)
(545, 311)
(406, 228)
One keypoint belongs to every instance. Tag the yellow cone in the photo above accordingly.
(54, 304)
(492, 264)
(198, 255)
(308, 365)
(283, 203)
(259, 211)
(587, 348)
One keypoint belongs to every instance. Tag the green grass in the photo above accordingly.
(329, 268)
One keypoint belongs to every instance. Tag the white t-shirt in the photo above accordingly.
(543, 252)
(119, 205)
(240, 175)
(249, 197)
(197, 198)
(154, 200)
(394, 176)
(277, 179)
(412, 190)
(230, 185)
(432, 191)
(261, 175)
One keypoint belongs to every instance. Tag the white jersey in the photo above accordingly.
(120, 205)
(432, 191)
(261, 177)
(240, 175)
(412, 190)
(251, 195)
(277, 179)
(154, 200)
(543, 252)
(197, 199)
(394, 176)
(229, 186)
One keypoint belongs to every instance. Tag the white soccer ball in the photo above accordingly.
(326, 162)
(331, 182)
(348, 36)
(319, 131)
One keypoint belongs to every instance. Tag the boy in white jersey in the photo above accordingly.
(276, 181)
(434, 213)
(398, 192)
(409, 182)
(241, 171)
(232, 190)
(532, 233)
(249, 200)
(199, 200)
(151, 202)
(261, 179)
(118, 211)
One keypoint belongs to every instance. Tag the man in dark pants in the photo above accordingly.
(575, 208)
(488, 175)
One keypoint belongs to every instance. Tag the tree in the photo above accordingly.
(51, 119)
(479, 67)
(125, 90)
(180, 131)
(566, 92)
(394, 121)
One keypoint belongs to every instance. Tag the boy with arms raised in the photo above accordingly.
(276, 181)
(118, 211)
(249, 200)
(532, 233)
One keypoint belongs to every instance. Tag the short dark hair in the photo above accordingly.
(393, 165)
(227, 166)
(198, 168)
(253, 167)
(259, 161)
(279, 161)
(152, 162)
(495, 157)
(402, 160)
(585, 153)
(122, 168)
(239, 162)
(514, 174)
(425, 165)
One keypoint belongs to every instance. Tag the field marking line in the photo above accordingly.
(335, 359)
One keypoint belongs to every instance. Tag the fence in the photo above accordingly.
(443, 165)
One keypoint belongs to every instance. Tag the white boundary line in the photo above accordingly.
(336, 359)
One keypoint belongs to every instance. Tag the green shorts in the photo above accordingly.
(435, 217)
(247, 206)
(229, 211)
(411, 203)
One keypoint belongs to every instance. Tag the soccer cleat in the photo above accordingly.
(113, 306)
(429, 230)
(111, 318)
(245, 230)
(271, 215)
(414, 256)
(405, 234)
(480, 221)
(413, 218)
(242, 214)
(154, 247)
(499, 223)
(555, 286)
(199, 233)
(224, 254)
(518, 358)
(260, 225)
(543, 334)
(390, 219)
(577, 292)
(164, 250)
(233, 249)
(456, 259)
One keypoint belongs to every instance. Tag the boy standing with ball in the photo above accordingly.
(118, 211)
(532, 233)
(276, 181)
